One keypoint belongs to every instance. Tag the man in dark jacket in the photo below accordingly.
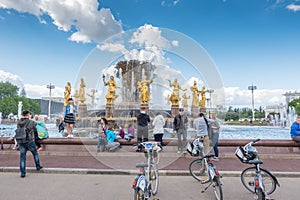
(180, 129)
(27, 144)
(143, 120)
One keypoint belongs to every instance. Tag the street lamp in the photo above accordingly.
(210, 101)
(252, 88)
(50, 87)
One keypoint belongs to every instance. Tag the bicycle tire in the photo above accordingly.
(197, 170)
(247, 177)
(154, 180)
(260, 194)
(138, 194)
(217, 188)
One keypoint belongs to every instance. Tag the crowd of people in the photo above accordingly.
(207, 129)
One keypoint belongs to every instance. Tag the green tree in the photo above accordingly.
(23, 92)
(8, 90)
(296, 104)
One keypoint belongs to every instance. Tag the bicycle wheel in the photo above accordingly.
(260, 194)
(154, 180)
(197, 170)
(139, 194)
(247, 178)
(217, 188)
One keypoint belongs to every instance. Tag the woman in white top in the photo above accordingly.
(158, 130)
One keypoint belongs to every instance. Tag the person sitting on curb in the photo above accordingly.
(42, 131)
(111, 136)
(295, 130)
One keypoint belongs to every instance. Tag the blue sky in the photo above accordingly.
(251, 41)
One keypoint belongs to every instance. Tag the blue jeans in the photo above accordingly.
(29, 146)
(101, 142)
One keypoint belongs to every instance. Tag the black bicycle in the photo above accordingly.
(257, 180)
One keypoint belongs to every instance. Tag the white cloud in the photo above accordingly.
(235, 96)
(38, 91)
(149, 36)
(81, 17)
(169, 3)
(12, 78)
(112, 47)
(293, 7)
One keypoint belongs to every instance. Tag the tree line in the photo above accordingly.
(10, 96)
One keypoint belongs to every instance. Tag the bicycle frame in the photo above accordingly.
(142, 180)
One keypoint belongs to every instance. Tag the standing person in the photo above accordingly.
(158, 129)
(69, 117)
(102, 128)
(201, 126)
(215, 126)
(295, 130)
(42, 130)
(27, 144)
(143, 120)
(180, 128)
(111, 136)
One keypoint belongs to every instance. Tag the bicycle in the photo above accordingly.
(146, 182)
(257, 180)
(203, 170)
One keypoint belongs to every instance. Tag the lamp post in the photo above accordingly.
(50, 87)
(252, 88)
(210, 101)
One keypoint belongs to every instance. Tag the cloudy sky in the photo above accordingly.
(252, 41)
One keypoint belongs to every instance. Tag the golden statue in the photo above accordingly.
(76, 96)
(82, 91)
(185, 98)
(143, 86)
(174, 98)
(203, 99)
(67, 93)
(196, 92)
(111, 93)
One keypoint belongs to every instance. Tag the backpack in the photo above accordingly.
(22, 133)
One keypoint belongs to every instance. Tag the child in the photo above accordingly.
(121, 132)
(130, 134)
(111, 136)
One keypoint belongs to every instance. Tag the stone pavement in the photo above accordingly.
(38, 186)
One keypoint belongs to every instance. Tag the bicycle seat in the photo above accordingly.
(256, 161)
(209, 155)
(141, 165)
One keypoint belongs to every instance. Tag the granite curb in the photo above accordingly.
(130, 172)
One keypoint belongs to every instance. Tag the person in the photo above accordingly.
(69, 117)
(36, 135)
(41, 130)
(295, 130)
(215, 126)
(180, 129)
(158, 129)
(143, 120)
(111, 136)
(201, 125)
(121, 132)
(130, 132)
(28, 144)
(102, 128)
